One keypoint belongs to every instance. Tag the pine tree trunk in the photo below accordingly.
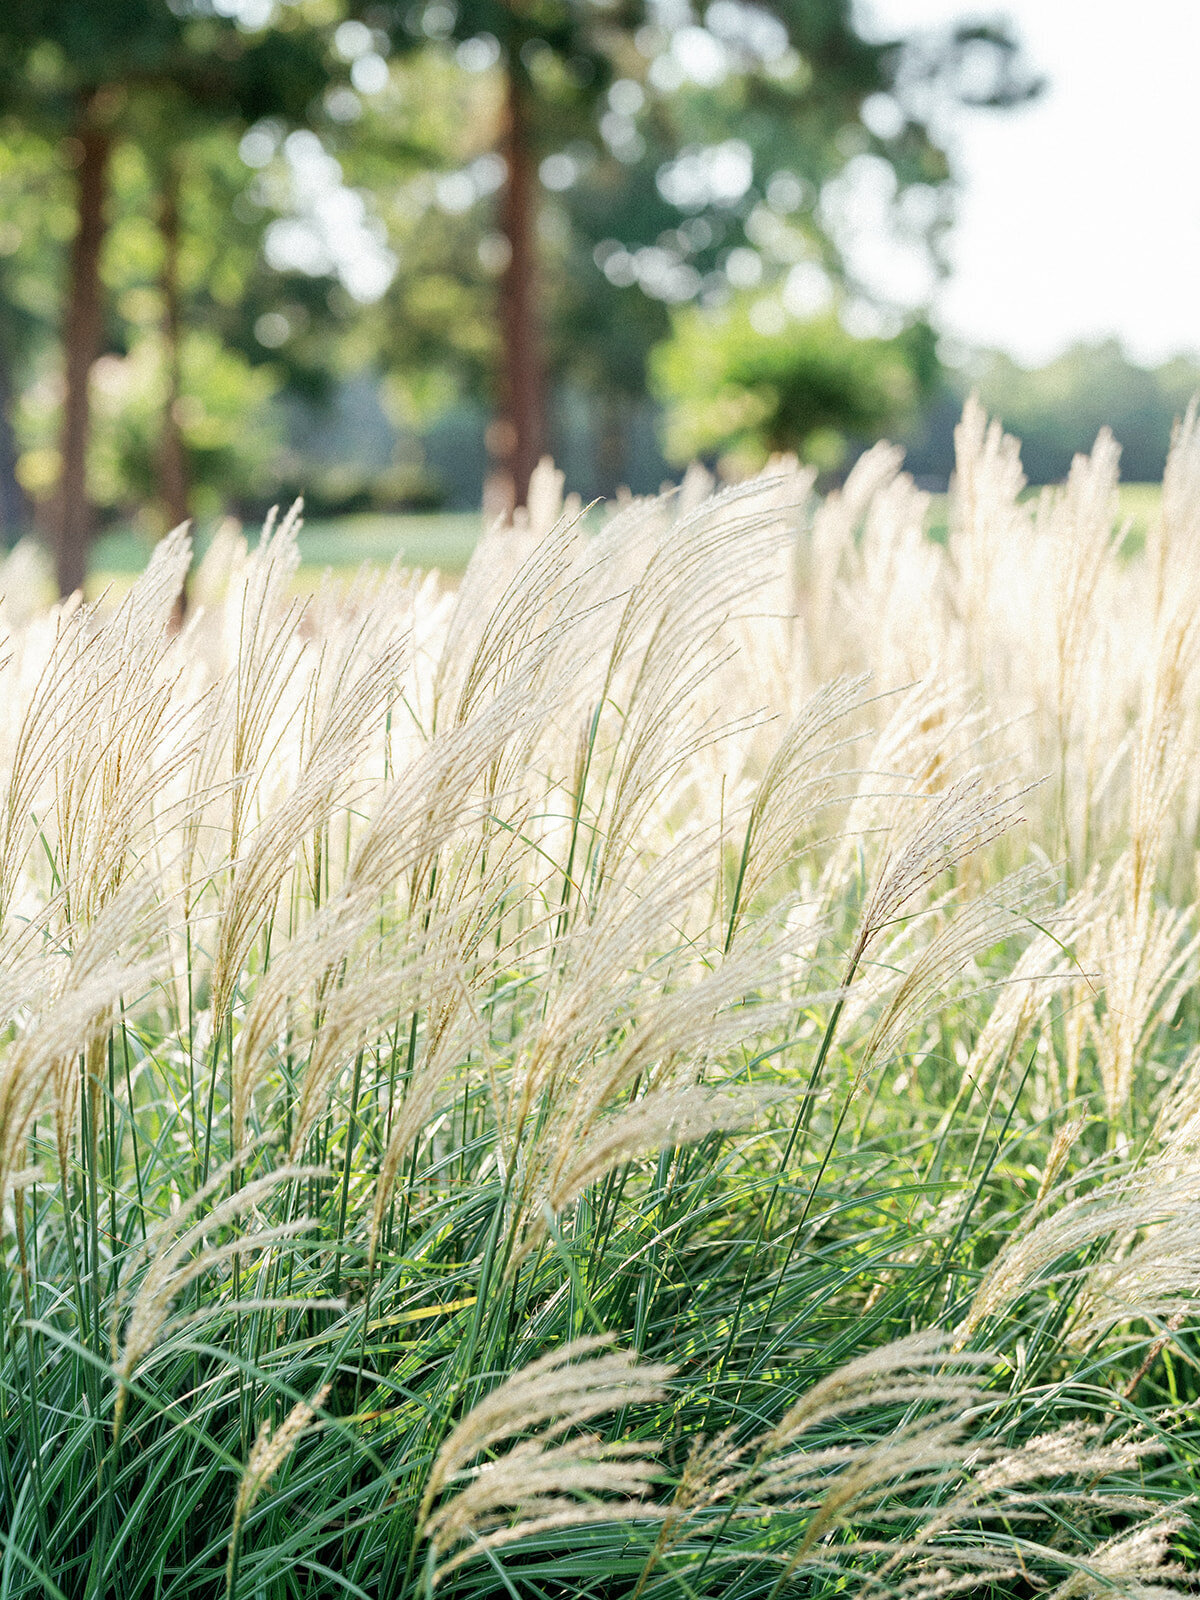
(611, 443)
(83, 331)
(520, 438)
(15, 514)
(173, 483)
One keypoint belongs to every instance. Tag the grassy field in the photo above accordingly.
(668, 1070)
(444, 541)
(438, 540)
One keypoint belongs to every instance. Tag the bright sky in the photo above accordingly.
(1080, 215)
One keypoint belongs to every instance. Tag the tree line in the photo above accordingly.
(210, 205)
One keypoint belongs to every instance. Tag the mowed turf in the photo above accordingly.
(443, 541)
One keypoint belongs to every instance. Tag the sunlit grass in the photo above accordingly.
(664, 1067)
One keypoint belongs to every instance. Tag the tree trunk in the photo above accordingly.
(611, 443)
(15, 514)
(83, 331)
(519, 440)
(172, 463)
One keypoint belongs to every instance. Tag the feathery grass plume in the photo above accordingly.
(348, 1014)
(566, 1072)
(985, 516)
(356, 676)
(261, 657)
(1062, 1147)
(1164, 731)
(704, 1007)
(72, 688)
(40, 1069)
(109, 784)
(1153, 1280)
(660, 1119)
(346, 691)
(916, 1499)
(1175, 531)
(452, 1033)
(1146, 969)
(176, 1252)
(897, 582)
(712, 1476)
(1145, 949)
(796, 1467)
(73, 997)
(24, 583)
(271, 1450)
(969, 931)
(895, 1373)
(932, 735)
(1137, 1563)
(947, 827)
(669, 643)
(1149, 1271)
(444, 787)
(528, 623)
(1124, 1246)
(1082, 526)
(993, 1519)
(300, 965)
(270, 849)
(338, 980)
(797, 784)
(1180, 1103)
(825, 555)
(1045, 969)
(659, 1077)
(540, 1483)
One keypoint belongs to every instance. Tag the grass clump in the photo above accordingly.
(669, 1070)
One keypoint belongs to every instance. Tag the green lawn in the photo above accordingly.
(441, 540)
(445, 540)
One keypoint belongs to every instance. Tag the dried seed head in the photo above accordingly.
(542, 1483)
(268, 1453)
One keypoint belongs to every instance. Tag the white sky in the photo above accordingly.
(1079, 215)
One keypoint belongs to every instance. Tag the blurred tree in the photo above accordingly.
(742, 392)
(81, 69)
(184, 387)
(173, 462)
(32, 211)
(624, 113)
(551, 61)
(1058, 409)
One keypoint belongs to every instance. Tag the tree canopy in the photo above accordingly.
(242, 206)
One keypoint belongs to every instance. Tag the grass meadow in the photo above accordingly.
(441, 541)
(430, 541)
(667, 1067)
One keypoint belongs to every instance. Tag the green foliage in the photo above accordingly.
(631, 227)
(734, 389)
(233, 435)
(57, 53)
(408, 108)
(1061, 407)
